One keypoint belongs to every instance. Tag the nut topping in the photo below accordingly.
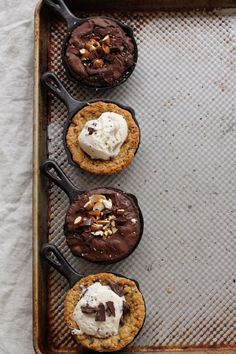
(78, 220)
(97, 233)
(84, 54)
(103, 222)
(98, 63)
(89, 205)
(106, 40)
(94, 213)
(105, 48)
(107, 203)
(96, 227)
(99, 223)
(94, 50)
(114, 230)
(99, 206)
(120, 211)
(106, 233)
(107, 226)
(97, 198)
(92, 45)
(86, 221)
(111, 217)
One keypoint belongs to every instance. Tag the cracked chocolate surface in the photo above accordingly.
(99, 52)
(95, 248)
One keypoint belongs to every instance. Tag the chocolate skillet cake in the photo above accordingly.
(104, 312)
(103, 225)
(99, 52)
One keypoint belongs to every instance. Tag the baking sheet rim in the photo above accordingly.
(35, 216)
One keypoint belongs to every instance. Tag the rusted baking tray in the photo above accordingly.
(183, 91)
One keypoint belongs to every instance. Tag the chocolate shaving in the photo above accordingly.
(126, 308)
(100, 314)
(110, 308)
(122, 322)
(116, 288)
(88, 309)
(91, 130)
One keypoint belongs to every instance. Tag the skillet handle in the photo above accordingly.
(133, 197)
(51, 81)
(52, 170)
(54, 257)
(60, 7)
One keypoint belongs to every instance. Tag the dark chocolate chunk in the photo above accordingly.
(91, 130)
(121, 220)
(122, 322)
(110, 308)
(116, 288)
(100, 314)
(88, 309)
(126, 308)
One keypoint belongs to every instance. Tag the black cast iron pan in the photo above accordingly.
(55, 258)
(52, 82)
(52, 170)
(72, 23)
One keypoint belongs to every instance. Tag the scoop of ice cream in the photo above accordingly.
(102, 138)
(99, 311)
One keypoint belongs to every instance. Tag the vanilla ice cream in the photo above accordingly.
(94, 296)
(102, 138)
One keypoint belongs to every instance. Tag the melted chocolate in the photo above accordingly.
(97, 249)
(115, 63)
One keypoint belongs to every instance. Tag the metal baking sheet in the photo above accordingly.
(183, 92)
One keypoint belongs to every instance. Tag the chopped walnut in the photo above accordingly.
(98, 221)
(95, 51)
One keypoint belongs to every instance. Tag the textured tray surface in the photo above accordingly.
(183, 92)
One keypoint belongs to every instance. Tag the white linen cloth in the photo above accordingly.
(16, 80)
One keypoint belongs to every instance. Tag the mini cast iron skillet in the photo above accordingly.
(82, 244)
(51, 81)
(55, 258)
(72, 23)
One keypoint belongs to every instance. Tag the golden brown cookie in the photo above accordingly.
(127, 151)
(133, 320)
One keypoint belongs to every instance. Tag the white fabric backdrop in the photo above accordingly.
(16, 77)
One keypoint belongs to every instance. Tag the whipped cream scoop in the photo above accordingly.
(94, 296)
(102, 138)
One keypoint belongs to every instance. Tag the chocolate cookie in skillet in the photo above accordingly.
(98, 52)
(102, 224)
(105, 311)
